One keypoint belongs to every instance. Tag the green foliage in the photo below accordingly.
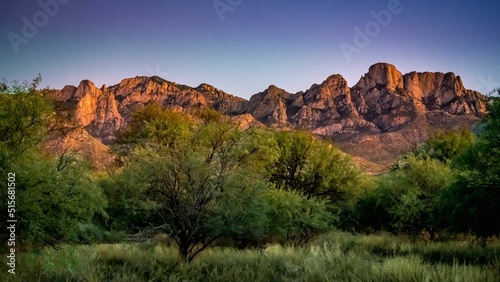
(153, 125)
(473, 202)
(201, 179)
(405, 200)
(450, 183)
(53, 196)
(128, 207)
(51, 203)
(493, 119)
(194, 178)
(314, 167)
(385, 245)
(333, 257)
(295, 218)
(446, 145)
(469, 206)
(24, 117)
(90, 233)
(199, 182)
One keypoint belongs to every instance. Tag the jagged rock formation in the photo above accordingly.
(383, 100)
(390, 100)
(385, 109)
(103, 111)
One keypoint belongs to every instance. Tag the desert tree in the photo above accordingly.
(314, 167)
(473, 201)
(202, 184)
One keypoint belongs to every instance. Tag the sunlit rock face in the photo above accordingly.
(103, 111)
(440, 91)
(391, 100)
(383, 101)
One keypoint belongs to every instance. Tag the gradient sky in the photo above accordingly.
(291, 44)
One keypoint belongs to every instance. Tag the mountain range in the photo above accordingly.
(385, 114)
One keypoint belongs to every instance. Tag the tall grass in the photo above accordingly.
(334, 257)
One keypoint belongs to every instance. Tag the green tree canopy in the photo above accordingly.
(314, 167)
(404, 200)
(293, 218)
(24, 117)
(53, 200)
(473, 202)
(200, 181)
(154, 125)
(445, 145)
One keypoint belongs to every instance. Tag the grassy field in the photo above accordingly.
(336, 256)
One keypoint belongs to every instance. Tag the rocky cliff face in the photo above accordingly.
(383, 100)
(391, 100)
(439, 91)
(384, 106)
(103, 111)
(323, 109)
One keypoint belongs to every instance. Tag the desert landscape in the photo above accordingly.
(249, 141)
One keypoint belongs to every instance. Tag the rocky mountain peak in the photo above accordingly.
(85, 88)
(87, 96)
(384, 75)
(269, 106)
(383, 103)
(274, 90)
(207, 87)
(334, 86)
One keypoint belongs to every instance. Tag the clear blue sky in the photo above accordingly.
(255, 43)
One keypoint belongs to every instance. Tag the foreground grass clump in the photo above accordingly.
(447, 252)
(333, 257)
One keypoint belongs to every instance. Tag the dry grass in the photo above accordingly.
(334, 257)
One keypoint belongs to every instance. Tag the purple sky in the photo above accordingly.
(246, 45)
